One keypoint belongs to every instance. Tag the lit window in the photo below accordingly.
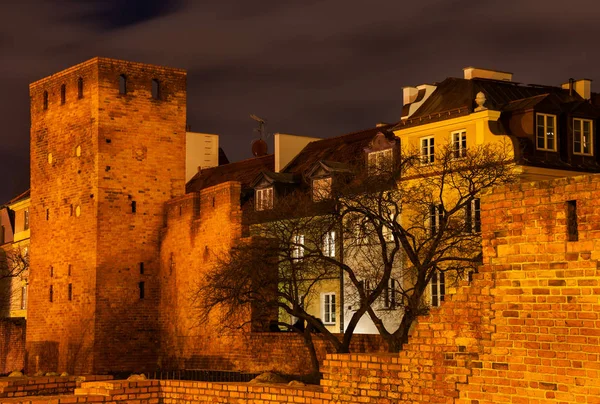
(546, 132)
(328, 308)
(388, 232)
(582, 136)
(436, 214)
(389, 294)
(26, 219)
(264, 198)
(427, 150)
(329, 244)
(438, 288)
(321, 189)
(380, 161)
(24, 297)
(459, 144)
(298, 247)
(473, 216)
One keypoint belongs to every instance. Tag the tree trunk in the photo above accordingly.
(314, 360)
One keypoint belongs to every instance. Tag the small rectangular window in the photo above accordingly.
(155, 89)
(133, 206)
(427, 150)
(122, 84)
(80, 88)
(389, 294)
(438, 288)
(459, 144)
(70, 267)
(264, 198)
(329, 244)
(24, 297)
(583, 136)
(546, 132)
(141, 268)
(142, 290)
(328, 308)
(572, 231)
(298, 247)
(436, 215)
(63, 94)
(51, 293)
(70, 292)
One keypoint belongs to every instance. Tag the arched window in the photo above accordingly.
(155, 89)
(63, 94)
(45, 99)
(122, 84)
(80, 87)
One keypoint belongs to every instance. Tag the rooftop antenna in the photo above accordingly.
(259, 146)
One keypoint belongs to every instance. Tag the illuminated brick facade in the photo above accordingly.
(106, 154)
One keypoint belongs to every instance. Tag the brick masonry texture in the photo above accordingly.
(12, 345)
(92, 157)
(525, 330)
(199, 227)
(38, 386)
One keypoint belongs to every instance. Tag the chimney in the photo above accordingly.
(583, 87)
(475, 72)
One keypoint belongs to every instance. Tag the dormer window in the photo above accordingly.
(546, 132)
(582, 136)
(321, 189)
(264, 198)
(380, 161)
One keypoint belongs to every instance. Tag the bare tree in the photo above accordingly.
(14, 264)
(397, 229)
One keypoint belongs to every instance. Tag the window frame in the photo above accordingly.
(459, 138)
(389, 294)
(581, 142)
(259, 205)
(329, 244)
(380, 161)
(438, 288)
(545, 127)
(429, 156)
(26, 219)
(436, 214)
(320, 193)
(298, 247)
(473, 216)
(24, 297)
(329, 301)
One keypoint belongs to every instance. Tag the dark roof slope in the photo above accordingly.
(244, 171)
(454, 97)
(20, 197)
(343, 149)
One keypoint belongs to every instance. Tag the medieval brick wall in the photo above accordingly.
(12, 345)
(93, 153)
(525, 330)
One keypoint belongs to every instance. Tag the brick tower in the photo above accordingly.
(107, 152)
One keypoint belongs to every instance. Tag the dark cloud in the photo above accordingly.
(113, 14)
(315, 68)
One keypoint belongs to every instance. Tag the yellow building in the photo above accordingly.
(14, 241)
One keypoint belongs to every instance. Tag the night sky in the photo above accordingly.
(314, 68)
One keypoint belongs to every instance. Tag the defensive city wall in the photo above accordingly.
(524, 330)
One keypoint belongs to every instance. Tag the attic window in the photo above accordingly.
(582, 136)
(546, 132)
(380, 162)
(264, 198)
(321, 189)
